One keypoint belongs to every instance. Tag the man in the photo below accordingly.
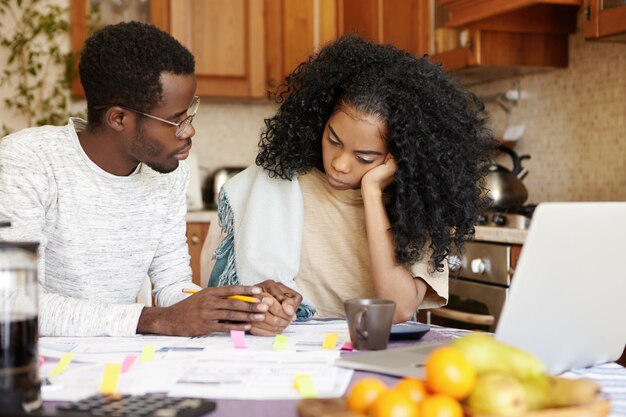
(106, 200)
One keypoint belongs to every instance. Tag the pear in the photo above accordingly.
(498, 394)
(489, 355)
(553, 391)
(537, 392)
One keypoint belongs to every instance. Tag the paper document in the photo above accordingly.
(208, 367)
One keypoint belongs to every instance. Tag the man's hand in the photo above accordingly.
(205, 312)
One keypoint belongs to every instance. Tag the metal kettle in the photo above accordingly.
(504, 186)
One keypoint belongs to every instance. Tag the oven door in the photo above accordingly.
(471, 305)
(488, 262)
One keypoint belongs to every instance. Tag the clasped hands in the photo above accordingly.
(282, 302)
(210, 310)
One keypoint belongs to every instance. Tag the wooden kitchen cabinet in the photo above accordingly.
(403, 23)
(227, 39)
(467, 12)
(225, 36)
(243, 48)
(296, 29)
(196, 235)
(504, 39)
(605, 20)
(479, 41)
(495, 55)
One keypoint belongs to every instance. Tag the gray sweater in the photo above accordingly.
(99, 234)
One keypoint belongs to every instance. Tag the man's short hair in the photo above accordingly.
(122, 64)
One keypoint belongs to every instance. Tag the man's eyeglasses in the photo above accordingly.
(180, 126)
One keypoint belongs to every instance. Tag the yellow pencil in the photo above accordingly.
(245, 298)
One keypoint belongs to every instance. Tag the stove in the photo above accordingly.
(481, 275)
(498, 219)
(515, 218)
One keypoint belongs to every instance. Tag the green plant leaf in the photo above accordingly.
(36, 67)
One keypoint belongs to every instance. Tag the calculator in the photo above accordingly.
(149, 405)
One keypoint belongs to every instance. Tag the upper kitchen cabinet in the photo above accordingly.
(403, 23)
(296, 29)
(227, 39)
(605, 20)
(487, 40)
(547, 12)
(243, 48)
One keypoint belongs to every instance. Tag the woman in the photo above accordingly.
(367, 177)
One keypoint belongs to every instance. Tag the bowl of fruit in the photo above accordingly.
(474, 376)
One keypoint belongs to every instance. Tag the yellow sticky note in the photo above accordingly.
(280, 342)
(330, 341)
(147, 353)
(304, 385)
(110, 378)
(63, 364)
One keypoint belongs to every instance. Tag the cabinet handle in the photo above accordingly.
(482, 319)
(195, 239)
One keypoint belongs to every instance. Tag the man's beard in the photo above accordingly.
(146, 149)
(161, 168)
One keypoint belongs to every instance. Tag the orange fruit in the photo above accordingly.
(439, 405)
(449, 371)
(394, 403)
(363, 394)
(414, 387)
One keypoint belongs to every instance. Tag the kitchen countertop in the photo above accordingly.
(500, 234)
(201, 216)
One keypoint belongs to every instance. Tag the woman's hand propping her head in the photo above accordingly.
(380, 177)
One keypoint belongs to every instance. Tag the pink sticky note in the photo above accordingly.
(347, 346)
(127, 362)
(238, 338)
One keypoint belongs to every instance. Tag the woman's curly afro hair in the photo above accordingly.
(436, 132)
(121, 64)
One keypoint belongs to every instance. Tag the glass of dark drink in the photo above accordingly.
(19, 364)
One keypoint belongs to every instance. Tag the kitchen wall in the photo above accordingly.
(227, 133)
(575, 124)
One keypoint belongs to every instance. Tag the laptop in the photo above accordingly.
(566, 303)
